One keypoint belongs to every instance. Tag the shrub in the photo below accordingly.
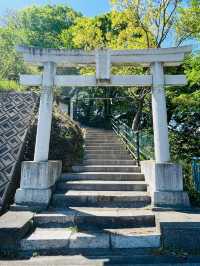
(10, 85)
(66, 141)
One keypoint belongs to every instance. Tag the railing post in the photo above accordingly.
(72, 109)
(138, 147)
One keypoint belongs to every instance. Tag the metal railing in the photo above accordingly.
(196, 172)
(139, 144)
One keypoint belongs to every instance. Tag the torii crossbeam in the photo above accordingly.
(103, 60)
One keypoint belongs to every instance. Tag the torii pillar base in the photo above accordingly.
(165, 182)
(37, 183)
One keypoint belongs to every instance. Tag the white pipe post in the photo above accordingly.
(71, 109)
(45, 113)
(159, 110)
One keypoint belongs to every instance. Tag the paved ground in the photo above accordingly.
(109, 261)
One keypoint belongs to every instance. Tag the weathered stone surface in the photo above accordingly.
(14, 226)
(107, 156)
(47, 239)
(101, 198)
(171, 198)
(135, 238)
(107, 168)
(165, 183)
(106, 176)
(102, 185)
(37, 181)
(97, 217)
(89, 240)
(180, 230)
(108, 162)
(40, 175)
(33, 196)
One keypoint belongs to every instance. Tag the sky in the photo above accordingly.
(87, 7)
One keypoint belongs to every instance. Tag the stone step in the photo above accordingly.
(111, 176)
(105, 148)
(100, 134)
(107, 156)
(104, 144)
(106, 152)
(102, 185)
(101, 138)
(63, 239)
(98, 130)
(99, 218)
(108, 162)
(107, 168)
(104, 141)
(101, 199)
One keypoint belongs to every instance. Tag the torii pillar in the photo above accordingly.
(159, 113)
(38, 177)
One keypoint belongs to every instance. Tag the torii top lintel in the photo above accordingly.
(62, 57)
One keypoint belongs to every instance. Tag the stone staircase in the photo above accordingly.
(102, 205)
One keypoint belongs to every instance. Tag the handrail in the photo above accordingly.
(134, 141)
(196, 172)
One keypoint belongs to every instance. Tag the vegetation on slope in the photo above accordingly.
(66, 143)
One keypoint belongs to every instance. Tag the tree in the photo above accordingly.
(187, 26)
(39, 26)
(155, 17)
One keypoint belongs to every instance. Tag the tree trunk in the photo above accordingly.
(137, 117)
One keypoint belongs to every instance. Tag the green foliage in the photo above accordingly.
(184, 114)
(10, 62)
(192, 70)
(41, 26)
(154, 18)
(187, 26)
(66, 143)
(10, 85)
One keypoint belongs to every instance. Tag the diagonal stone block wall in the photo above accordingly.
(16, 114)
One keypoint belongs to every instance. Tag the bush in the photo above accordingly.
(10, 85)
(184, 146)
(66, 141)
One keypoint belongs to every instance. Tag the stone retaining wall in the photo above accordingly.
(16, 113)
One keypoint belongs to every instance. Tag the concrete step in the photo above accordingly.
(100, 141)
(58, 239)
(102, 185)
(100, 134)
(14, 226)
(111, 176)
(105, 148)
(104, 144)
(106, 152)
(98, 130)
(108, 156)
(101, 199)
(98, 218)
(95, 139)
(108, 162)
(107, 168)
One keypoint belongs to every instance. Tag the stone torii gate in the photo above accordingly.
(103, 60)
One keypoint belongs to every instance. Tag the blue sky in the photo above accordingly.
(87, 7)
